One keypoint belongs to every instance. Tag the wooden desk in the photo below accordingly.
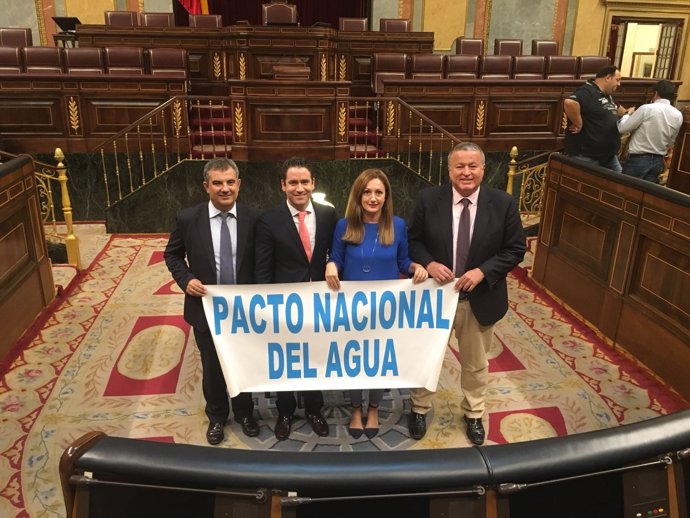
(616, 249)
(501, 113)
(250, 52)
(26, 279)
(272, 119)
(76, 112)
(65, 39)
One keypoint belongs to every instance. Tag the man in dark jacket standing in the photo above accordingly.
(292, 244)
(213, 243)
(469, 234)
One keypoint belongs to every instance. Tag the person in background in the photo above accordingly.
(593, 135)
(213, 243)
(654, 128)
(469, 234)
(292, 244)
(370, 243)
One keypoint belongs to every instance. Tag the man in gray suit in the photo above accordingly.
(470, 234)
(194, 257)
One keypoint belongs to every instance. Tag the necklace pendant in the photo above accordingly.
(366, 268)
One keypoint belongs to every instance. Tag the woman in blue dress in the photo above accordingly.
(370, 243)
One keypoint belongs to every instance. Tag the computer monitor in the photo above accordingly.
(66, 23)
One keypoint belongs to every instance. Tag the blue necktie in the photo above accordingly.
(227, 272)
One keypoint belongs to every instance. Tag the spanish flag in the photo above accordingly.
(195, 6)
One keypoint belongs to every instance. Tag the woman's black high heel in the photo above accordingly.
(371, 432)
(356, 433)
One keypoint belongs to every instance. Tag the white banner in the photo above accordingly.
(305, 336)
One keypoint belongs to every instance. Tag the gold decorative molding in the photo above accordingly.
(217, 66)
(177, 117)
(481, 117)
(564, 122)
(342, 121)
(487, 23)
(324, 68)
(390, 118)
(342, 68)
(73, 109)
(40, 13)
(243, 66)
(238, 119)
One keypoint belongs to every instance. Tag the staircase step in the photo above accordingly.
(360, 151)
(360, 110)
(361, 122)
(208, 151)
(360, 137)
(217, 122)
(217, 135)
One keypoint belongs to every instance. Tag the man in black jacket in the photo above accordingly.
(469, 234)
(292, 244)
(194, 255)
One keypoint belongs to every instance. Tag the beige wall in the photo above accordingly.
(589, 28)
(88, 11)
(446, 20)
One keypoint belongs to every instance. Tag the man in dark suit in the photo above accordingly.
(292, 244)
(194, 256)
(470, 234)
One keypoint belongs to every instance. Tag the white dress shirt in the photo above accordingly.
(655, 127)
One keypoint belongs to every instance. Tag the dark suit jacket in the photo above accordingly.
(498, 243)
(280, 256)
(189, 254)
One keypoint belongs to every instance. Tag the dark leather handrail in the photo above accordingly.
(672, 195)
(13, 164)
(341, 473)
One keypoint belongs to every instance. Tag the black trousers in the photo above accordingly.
(213, 384)
(286, 402)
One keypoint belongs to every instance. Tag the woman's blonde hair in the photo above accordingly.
(354, 214)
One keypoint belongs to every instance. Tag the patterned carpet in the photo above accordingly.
(117, 356)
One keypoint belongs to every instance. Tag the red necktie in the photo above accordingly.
(304, 234)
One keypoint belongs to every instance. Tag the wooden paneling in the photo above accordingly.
(249, 52)
(78, 112)
(499, 114)
(26, 281)
(273, 118)
(617, 250)
(679, 173)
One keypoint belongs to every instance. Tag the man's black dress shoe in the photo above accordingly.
(475, 430)
(283, 427)
(250, 427)
(318, 424)
(417, 425)
(214, 432)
